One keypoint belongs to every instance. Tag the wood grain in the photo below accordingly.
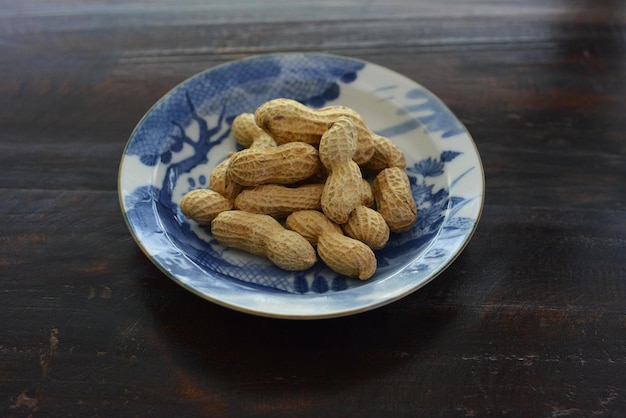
(530, 320)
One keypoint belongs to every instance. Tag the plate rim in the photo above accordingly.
(468, 235)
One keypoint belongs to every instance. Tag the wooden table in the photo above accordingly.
(529, 321)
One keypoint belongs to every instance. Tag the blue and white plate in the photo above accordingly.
(187, 133)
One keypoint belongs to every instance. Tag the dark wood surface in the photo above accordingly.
(529, 321)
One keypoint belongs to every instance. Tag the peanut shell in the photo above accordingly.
(279, 201)
(203, 205)
(263, 235)
(368, 226)
(394, 200)
(284, 164)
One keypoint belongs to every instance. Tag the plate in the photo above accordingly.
(187, 133)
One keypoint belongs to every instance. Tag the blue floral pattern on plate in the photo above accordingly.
(187, 133)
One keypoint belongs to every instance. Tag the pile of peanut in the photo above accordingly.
(298, 192)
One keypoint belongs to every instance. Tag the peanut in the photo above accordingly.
(279, 201)
(343, 189)
(284, 164)
(367, 196)
(386, 154)
(342, 254)
(394, 200)
(203, 205)
(248, 134)
(368, 226)
(287, 120)
(219, 181)
(263, 235)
